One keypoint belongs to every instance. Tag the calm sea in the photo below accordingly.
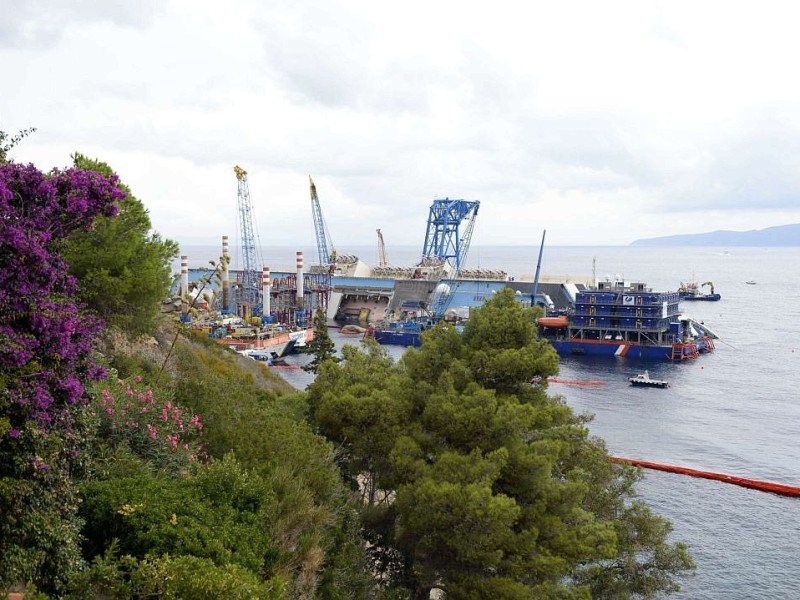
(735, 411)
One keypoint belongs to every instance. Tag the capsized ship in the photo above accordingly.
(629, 320)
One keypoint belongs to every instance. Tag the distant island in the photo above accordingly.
(783, 235)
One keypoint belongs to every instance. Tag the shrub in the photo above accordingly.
(147, 421)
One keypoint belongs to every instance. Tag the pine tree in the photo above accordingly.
(478, 483)
(322, 346)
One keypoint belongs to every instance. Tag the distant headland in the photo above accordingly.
(783, 235)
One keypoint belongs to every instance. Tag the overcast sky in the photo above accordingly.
(602, 122)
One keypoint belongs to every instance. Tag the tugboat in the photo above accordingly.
(627, 320)
(644, 380)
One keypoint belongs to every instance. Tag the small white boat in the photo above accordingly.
(644, 380)
(751, 282)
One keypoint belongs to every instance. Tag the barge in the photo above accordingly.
(627, 320)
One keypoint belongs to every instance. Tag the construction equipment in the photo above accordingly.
(445, 241)
(321, 229)
(710, 284)
(381, 250)
(248, 298)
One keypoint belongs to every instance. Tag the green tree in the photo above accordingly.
(123, 269)
(478, 483)
(322, 346)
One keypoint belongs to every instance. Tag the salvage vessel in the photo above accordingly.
(694, 291)
(628, 320)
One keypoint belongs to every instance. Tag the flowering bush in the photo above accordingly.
(149, 423)
(45, 342)
(46, 358)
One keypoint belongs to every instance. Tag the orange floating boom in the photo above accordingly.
(764, 486)
(575, 381)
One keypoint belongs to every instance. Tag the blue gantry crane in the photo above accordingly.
(248, 298)
(443, 237)
(445, 240)
(324, 256)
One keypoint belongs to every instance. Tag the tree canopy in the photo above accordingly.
(478, 483)
(123, 268)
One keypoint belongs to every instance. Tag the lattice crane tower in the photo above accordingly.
(445, 241)
(323, 235)
(443, 238)
(249, 283)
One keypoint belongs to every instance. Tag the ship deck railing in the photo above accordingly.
(618, 334)
(664, 330)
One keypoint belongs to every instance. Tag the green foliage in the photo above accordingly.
(123, 270)
(222, 513)
(314, 528)
(269, 504)
(46, 359)
(120, 578)
(267, 517)
(322, 346)
(478, 483)
(39, 529)
(148, 423)
(343, 404)
(130, 365)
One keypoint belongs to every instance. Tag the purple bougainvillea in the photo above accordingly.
(45, 340)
